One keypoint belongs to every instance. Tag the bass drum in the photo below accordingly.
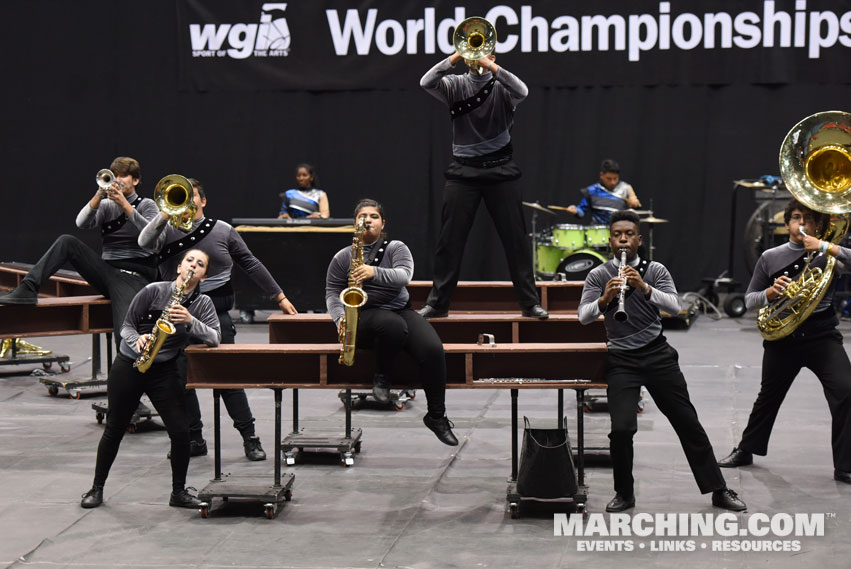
(577, 265)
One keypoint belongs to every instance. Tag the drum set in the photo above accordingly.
(569, 251)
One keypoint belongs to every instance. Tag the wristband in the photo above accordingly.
(824, 246)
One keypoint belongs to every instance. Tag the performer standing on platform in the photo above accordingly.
(816, 344)
(386, 322)
(123, 267)
(307, 200)
(482, 111)
(224, 246)
(640, 355)
(192, 315)
(606, 196)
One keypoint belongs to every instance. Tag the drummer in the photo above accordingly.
(606, 196)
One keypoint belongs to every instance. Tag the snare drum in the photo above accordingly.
(548, 258)
(569, 236)
(597, 236)
(578, 264)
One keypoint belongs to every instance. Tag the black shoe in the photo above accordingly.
(842, 476)
(442, 428)
(736, 458)
(431, 312)
(184, 499)
(536, 311)
(253, 450)
(381, 388)
(728, 499)
(619, 504)
(196, 448)
(93, 498)
(21, 295)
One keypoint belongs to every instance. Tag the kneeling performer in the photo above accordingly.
(629, 296)
(386, 322)
(155, 373)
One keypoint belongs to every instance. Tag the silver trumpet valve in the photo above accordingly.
(621, 314)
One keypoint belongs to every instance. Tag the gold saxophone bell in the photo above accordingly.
(815, 163)
(174, 195)
(474, 38)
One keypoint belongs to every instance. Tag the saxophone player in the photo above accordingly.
(816, 344)
(386, 322)
(640, 355)
(193, 315)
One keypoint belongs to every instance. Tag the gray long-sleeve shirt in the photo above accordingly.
(148, 305)
(121, 243)
(777, 258)
(386, 290)
(488, 127)
(644, 323)
(224, 246)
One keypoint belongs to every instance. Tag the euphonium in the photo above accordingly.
(621, 314)
(815, 163)
(352, 298)
(173, 194)
(162, 329)
(474, 38)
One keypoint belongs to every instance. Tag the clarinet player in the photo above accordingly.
(193, 315)
(640, 355)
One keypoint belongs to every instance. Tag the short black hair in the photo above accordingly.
(624, 215)
(820, 218)
(609, 165)
(199, 187)
(366, 202)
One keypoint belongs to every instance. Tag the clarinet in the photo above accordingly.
(620, 313)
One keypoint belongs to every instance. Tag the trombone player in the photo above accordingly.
(481, 105)
(124, 267)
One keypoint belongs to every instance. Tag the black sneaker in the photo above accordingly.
(253, 450)
(381, 388)
(442, 428)
(21, 295)
(196, 448)
(184, 499)
(93, 498)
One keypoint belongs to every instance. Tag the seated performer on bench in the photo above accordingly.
(640, 355)
(193, 315)
(386, 322)
(224, 246)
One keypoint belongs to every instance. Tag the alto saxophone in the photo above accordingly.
(162, 329)
(352, 298)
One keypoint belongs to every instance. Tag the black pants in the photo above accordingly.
(461, 199)
(782, 360)
(236, 401)
(124, 388)
(656, 367)
(118, 286)
(390, 332)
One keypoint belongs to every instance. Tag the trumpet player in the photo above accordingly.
(386, 322)
(640, 355)
(815, 344)
(193, 315)
(123, 267)
(222, 243)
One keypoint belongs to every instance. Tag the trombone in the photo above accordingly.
(174, 197)
(474, 38)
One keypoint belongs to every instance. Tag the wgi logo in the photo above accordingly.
(268, 38)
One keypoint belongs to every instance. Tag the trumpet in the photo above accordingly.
(620, 313)
(474, 38)
(105, 180)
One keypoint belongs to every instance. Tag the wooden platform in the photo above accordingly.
(63, 283)
(90, 314)
(499, 296)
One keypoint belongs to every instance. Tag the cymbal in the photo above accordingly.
(538, 207)
(641, 211)
(652, 219)
(561, 207)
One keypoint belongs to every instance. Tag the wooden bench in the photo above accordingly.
(63, 283)
(456, 328)
(61, 316)
(499, 296)
(578, 366)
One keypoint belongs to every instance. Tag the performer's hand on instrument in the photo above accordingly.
(572, 209)
(488, 64)
(779, 286)
(633, 278)
(811, 243)
(284, 216)
(364, 273)
(142, 341)
(613, 287)
(179, 314)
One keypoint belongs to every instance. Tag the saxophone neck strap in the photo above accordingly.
(377, 253)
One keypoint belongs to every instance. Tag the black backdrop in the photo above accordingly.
(87, 81)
